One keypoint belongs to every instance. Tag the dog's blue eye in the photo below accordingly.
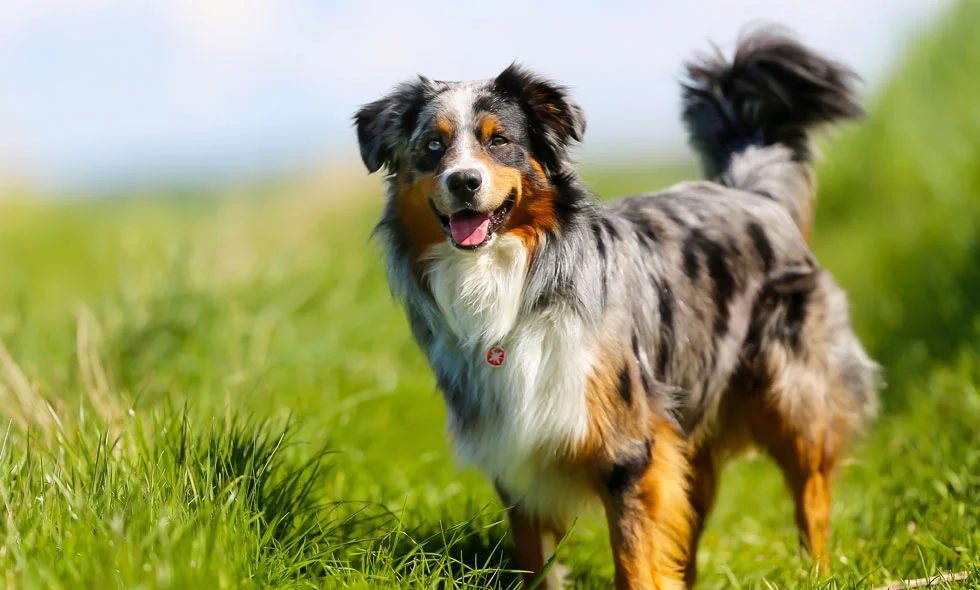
(434, 145)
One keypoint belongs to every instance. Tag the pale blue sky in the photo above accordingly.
(106, 91)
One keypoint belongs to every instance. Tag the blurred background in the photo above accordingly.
(186, 266)
(100, 94)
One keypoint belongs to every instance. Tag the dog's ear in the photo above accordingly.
(384, 126)
(554, 120)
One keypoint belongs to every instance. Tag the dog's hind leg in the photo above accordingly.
(817, 390)
(807, 465)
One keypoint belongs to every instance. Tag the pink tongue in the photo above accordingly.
(469, 228)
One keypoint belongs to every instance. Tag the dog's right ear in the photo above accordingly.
(384, 126)
(555, 121)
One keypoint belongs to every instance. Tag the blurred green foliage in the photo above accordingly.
(899, 216)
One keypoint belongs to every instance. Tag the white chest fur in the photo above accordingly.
(535, 400)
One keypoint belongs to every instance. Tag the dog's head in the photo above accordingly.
(472, 159)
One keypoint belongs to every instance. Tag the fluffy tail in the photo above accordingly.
(749, 118)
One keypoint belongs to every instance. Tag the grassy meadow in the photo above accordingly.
(203, 391)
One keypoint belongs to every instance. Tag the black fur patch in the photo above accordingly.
(603, 259)
(424, 160)
(721, 277)
(453, 393)
(626, 384)
(629, 469)
(724, 285)
(610, 228)
(752, 372)
(669, 213)
(646, 236)
(666, 306)
(692, 268)
(762, 246)
(796, 305)
(792, 278)
(505, 497)
(761, 309)
(410, 116)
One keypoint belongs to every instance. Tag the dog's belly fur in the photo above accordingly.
(513, 421)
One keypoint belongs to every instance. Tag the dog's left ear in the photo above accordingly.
(384, 126)
(554, 120)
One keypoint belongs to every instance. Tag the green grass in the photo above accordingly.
(219, 392)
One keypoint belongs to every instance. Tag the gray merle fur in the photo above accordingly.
(701, 283)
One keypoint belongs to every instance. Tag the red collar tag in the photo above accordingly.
(495, 356)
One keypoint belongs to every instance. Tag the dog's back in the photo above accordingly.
(744, 337)
(718, 273)
(750, 120)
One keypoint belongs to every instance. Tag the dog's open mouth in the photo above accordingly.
(470, 229)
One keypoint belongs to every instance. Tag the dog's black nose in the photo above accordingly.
(464, 183)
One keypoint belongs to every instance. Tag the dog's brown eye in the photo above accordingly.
(434, 145)
(498, 140)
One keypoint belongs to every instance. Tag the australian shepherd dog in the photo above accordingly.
(624, 350)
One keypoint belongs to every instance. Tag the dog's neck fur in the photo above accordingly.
(516, 419)
(480, 294)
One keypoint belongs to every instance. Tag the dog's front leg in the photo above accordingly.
(535, 543)
(648, 512)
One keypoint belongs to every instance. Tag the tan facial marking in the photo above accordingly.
(412, 207)
(444, 126)
(488, 126)
(534, 211)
